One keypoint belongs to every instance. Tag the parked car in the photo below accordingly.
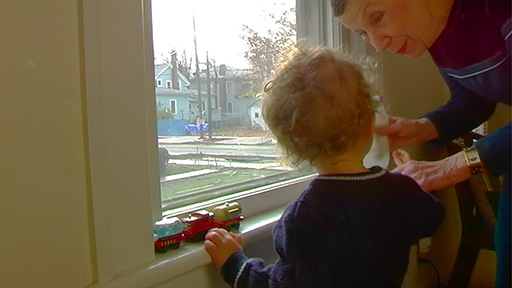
(163, 159)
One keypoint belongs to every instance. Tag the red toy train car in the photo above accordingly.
(170, 232)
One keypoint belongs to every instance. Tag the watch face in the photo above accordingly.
(473, 160)
(473, 156)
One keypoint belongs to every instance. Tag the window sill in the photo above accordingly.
(190, 255)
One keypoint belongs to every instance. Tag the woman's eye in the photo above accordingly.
(377, 18)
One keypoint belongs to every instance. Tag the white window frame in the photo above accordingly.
(113, 31)
(159, 82)
(168, 84)
(175, 110)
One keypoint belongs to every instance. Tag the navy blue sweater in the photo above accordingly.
(351, 230)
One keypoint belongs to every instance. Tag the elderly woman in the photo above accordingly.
(470, 42)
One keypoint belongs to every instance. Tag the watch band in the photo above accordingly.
(473, 160)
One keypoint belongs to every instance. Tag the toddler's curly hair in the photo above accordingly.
(314, 112)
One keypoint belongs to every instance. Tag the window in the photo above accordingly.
(198, 171)
(256, 115)
(168, 84)
(125, 177)
(172, 106)
(229, 87)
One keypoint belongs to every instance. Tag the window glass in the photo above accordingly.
(229, 87)
(219, 51)
(173, 106)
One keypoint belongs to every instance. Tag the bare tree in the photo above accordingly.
(264, 49)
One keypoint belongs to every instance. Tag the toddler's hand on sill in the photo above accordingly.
(221, 244)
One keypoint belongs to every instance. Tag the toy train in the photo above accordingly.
(171, 231)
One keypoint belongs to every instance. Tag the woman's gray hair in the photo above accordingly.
(338, 6)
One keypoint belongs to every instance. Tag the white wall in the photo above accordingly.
(44, 238)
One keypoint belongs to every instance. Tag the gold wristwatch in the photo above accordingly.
(473, 160)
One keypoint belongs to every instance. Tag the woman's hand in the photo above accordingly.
(433, 175)
(407, 132)
(221, 244)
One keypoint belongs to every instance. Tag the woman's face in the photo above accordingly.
(400, 26)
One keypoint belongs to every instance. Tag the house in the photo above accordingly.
(174, 95)
(228, 84)
(173, 99)
(255, 116)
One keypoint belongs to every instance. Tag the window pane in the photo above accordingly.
(225, 146)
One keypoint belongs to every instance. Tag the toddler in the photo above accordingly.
(353, 226)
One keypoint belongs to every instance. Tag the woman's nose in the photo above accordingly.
(379, 41)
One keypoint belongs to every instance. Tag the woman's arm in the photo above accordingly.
(464, 112)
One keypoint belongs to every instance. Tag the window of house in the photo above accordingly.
(229, 87)
(159, 82)
(256, 115)
(172, 105)
(229, 108)
(168, 84)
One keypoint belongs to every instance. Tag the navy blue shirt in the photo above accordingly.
(350, 230)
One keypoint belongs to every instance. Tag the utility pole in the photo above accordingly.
(208, 93)
(198, 75)
(216, 84)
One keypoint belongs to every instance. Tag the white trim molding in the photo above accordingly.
(123, 190)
